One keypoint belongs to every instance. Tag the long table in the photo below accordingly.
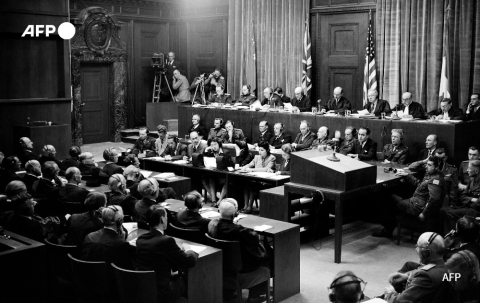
(457, 138)
(286, 250)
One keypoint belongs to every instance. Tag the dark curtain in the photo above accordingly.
(410, 46)
(279, 27)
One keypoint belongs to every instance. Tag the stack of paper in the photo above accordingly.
(262, 227)
(164, 175)
(146, 173)
(210, 214)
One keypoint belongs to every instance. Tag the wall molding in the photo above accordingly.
(342, 9)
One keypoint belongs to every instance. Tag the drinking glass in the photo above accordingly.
(314, 110)
(280, 109)
(347, 113)
(382, 115)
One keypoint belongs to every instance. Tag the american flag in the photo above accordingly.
(370, 73)
(307, 62)
(444, 91)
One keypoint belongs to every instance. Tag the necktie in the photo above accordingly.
(194, 149)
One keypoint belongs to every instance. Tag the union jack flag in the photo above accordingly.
(307, 62)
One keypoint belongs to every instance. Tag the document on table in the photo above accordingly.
(130, 226)
(181, 162)
(262, 227)
(210, 214)
(164, 175)
(210, 162)
(375, 300)
(262, 174)
(197, 248)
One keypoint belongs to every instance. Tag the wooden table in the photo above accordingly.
(286, 251)
(204, 280)
(457, 138)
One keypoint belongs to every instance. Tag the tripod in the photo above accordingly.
(200, 85)
(157, 84)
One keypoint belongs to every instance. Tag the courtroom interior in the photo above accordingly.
(210, 151)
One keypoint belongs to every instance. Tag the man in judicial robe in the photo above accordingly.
(270, 98)
(338, 104)
(408, 107)
(446, 111)
(301, 101)
(376, 106)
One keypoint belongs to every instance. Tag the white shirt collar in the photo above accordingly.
(161, 231)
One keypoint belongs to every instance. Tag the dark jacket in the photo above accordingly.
(382, 106)
(202, 131)
(27, 155)
(425, 153)
(44, 159)
(281, 140)
(237, 134)
(347, 147)
(143, 145)
(80, 225)
(89, 170)
(274, 100)
(216, 133)
(161, 253)
(472, 191)
(266, 136)
(368, 152)
(304, 104)
(415, 109)
(73, 193)
(126, 201)
(178, 153)
(29, 179)
(285, 167)
(69, 162)
(306, 142)
(247, 100)
(7, 177)
(133, 187)
(453, 113)
(244, 158)
(141, 207)
(340, 107)
(429, 193)
(473, 115)
(394, 153)
(285, 99)
(191, 219)
(110, 169)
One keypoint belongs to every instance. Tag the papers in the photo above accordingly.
(210, 214)
(279, 177)
(180, 162)
(146, 173)
(164, 175)
(262, 227)
(330, 115)
(287, 106)
(130, 226)
(210, 162)
(363, 112)
(262, 174)
(164, 204)
(197, 248)
(157, 158)
(375, 300)
(239, 217)
(242, 107)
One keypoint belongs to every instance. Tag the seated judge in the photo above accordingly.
(264, 161)
(33, 173)
(279, 92)
(280, 137)
(218, 131)
(175, 150)
(265, 134)
(246, 96)
(160, 253)
(446, 111)
(145, 143)
(27, 150)
(305, 138)
(196, 147)
(396, 152)
(285, 165)
(74, 160)
(190, 217)
(364, 149)
(471, 109)
(111, 167)
(161, 142)
(72, 192)
(119, 195)
(10, 166)
(408, 107)
(232, 134)
(270, 98)
(473, 154)
(301, 101)
(220, 96)
(376, 106)
(338, 104)
(181, 85)
(348, 144)
(202, 131)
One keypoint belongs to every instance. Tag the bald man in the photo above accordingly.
(424, 284)
(305, 138)
(430, 146)
(270, 98)
(72, 191)
(301, 101)
(376, 106)
(252, 252)
(27, 150)
(338, 104)
(408, 107)
(322, 138)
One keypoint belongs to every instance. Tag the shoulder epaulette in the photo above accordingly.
(428, 267)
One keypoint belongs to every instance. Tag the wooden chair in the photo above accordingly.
(135, 286)
(194, 235)
(60, 271)
(91, 281)
(232, 264)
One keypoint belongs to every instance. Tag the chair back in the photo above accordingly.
(232, 258)
(90, 280)
(135, 286)
(58, 262)
(194, 235)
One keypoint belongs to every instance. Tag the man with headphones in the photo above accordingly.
(467, 285)
(108, 244)
(145, 143)
(255, 256)
(111, 167)
(149, 190)
(425, 283)
(120, 195)
(26, 153)
(190, 216)
(463, 237)
(395, 152)
(280, 137)
(346, 288)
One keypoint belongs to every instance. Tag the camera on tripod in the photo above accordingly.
(158, 63)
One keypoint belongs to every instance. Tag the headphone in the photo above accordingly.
(469, 261)
(282, 127)
(236, 208)
(118, 222)
(221, 120)
(333, 298)
(149, 190)
(118, 179)
(426, 252)
(109, 153)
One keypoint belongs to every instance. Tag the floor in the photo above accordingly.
(372, 259)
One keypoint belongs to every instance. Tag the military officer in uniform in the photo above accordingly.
(217, 131)
(395, 152)
(220, 96)
(349, 142)
(473, 154)
(247, 98)
(429, 195)
(322, 138)
(232, 135)
(424, 284)
(144, 143)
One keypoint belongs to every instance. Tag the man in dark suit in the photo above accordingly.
(471, 109)
(466, 232)
(33, 173)
(175, 150)
(473, 154)
(202, 131)
(72, 192)
(10, 166)
(270, 98)
(364, 149)
(118, 194)
(446, 111)
(232, 134)
(108, 244)
(279, 92)
(376, 106)
(49, 153)
(74, 160)
(196, 147)
(44, 187)
(408, 107)
(265, 135)
(430, 147)
(150, 190)
(158, 252)
(338, 104)
(301, 101)
(27, 150)
(280, 137)
(305, 138)
(190, 217)
(254, 255)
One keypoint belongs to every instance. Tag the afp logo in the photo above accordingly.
(66, 30)
(451, 276)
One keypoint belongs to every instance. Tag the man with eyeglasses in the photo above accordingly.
(338, 104)
(446, 111)
(408, 107)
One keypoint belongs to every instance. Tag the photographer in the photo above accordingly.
(214, 79)
(180, 83)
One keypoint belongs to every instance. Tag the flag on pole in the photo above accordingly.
(250, 61)
(307, 62)
(370, 72)
(444, 91)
